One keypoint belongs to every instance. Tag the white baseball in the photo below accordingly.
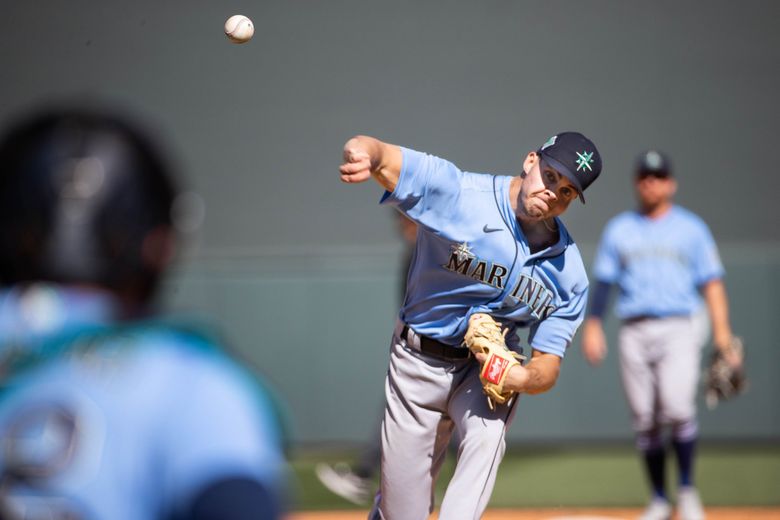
(239, 28)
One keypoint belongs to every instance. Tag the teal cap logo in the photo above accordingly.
(584, 160)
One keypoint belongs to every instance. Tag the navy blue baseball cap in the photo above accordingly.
(653, 162)
(575, 157)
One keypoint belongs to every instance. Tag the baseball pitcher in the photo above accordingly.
(492, 256)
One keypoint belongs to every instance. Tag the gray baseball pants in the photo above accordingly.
(426, 399)
(660, 367)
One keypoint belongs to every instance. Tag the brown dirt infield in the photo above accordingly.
(713, 513)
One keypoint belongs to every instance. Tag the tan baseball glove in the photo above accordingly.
(722, 380)
(484, 335)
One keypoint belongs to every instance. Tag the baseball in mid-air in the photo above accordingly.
(239, 28)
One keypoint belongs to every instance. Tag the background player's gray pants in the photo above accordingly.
(660, 367)
(426, 398)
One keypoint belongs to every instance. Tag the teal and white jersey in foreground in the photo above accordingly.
(127, 422)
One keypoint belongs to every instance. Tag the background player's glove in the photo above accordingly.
(724, 381)
(484, 336)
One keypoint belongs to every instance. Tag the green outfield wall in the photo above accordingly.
(317, 325)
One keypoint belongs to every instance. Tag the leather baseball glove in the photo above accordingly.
(484, 335)
(722, 380)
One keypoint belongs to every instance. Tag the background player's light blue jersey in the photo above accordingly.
(122, 422)
(472, 256)
(658, 264)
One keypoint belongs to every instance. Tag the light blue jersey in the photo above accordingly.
(472, 256)
(658, 264)
(125, 422)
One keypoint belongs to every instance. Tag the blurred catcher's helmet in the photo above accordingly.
(82, 194)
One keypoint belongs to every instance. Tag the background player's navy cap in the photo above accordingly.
(575, 157)
(653, 162)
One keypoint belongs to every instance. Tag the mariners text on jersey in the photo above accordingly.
(526, 290)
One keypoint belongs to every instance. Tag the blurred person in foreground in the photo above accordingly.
(664, 261)
(107, 410)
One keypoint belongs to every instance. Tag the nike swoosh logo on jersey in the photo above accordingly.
(487, 229)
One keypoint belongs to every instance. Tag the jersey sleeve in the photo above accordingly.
(428, 188)
(606, 264)
(555, 333)
(222, 426)
(706, 263)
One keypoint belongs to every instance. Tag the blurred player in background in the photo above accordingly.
(106, 410)
(663, 259)
(356, 485)
(486, 245)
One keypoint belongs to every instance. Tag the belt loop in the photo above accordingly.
(401, 330)
(409, 336)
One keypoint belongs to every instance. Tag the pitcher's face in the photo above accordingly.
(545, 193)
